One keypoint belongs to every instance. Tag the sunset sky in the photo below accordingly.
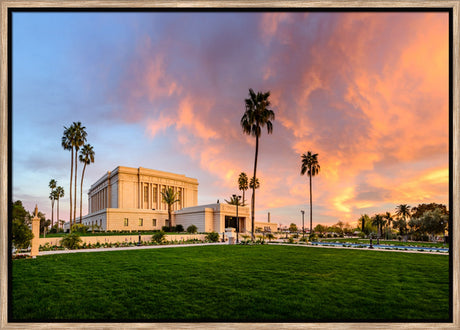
(368, 92)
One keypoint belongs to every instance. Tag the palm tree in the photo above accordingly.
(52, 185)
(363, 219)
(243, 184)
(78, 141)
(378, 221)
(59, 193)
(257, 115)
(66, 143)
(402, 211)
(256, 185)
(234, 200)
(169, 197)
(310, 166)
(388, 218)
(87, 157)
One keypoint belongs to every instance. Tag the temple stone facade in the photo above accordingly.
(130, 198)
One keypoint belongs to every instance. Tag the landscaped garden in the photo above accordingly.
(232, 283)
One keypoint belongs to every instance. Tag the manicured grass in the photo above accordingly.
(386, 242)
(232, 283)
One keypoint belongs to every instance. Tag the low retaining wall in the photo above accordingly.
(120, 238)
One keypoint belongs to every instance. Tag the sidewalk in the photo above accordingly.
(43, 253)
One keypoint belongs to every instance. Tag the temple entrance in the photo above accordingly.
(230, 222)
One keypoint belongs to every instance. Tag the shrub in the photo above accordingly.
(290, 240)
(159, 237)
(192, 229)
(304, 239)
(179, 228)
(79, 228)
(313, 237)
(71, 241)
(212, 237)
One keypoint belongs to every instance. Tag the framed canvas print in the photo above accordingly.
(229, 164)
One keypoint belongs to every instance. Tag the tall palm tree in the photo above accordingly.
(87, 157)
(78, 141)
(243, 184)
(403, 211)
(52, 185)
(256, 116)
(388, 217)
(310, 166)
(59, 193)
(169, 197)
(66, 143)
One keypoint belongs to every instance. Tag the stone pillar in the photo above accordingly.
(36, 231)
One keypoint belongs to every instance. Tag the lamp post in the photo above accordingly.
(303, 227)
(237, 198)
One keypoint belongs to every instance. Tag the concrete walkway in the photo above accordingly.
(143, 247)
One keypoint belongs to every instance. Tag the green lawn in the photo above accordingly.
(386, 242)
(232, 283)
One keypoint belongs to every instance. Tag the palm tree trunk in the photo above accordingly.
(254, 190)
(81, 190)
(169, 215)
(75, 195)
(57, 221)
(52, 212)
(71, 178)
(311, 211)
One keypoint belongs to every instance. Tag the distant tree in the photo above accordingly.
(310, 165)
(52, 196)
(340, 226)
(433, 222)
(257, 115)
(320, 228)
(420, 209)
(59, 193)
(403, 211)
(388, 218)
(363, 220)
(169, 197)
(86, 157)
(293, 228)
(243, 185)
(379, 222)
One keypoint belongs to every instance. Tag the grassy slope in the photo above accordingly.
(225, 283)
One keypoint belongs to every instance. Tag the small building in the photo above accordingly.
(214, 217)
